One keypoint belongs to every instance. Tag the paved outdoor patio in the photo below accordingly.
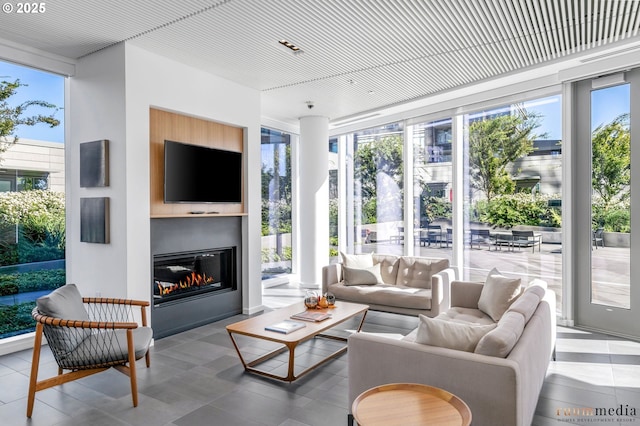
(611, 266)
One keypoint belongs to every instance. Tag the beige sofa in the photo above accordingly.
(405, 285)
(501, 388)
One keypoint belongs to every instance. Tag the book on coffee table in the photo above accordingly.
(311, 316)
(286, 326)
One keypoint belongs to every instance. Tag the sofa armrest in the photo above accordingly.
(441, 290)
(487, 384)
(465, 294)
(331, 274)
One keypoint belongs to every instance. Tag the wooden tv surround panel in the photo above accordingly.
(166, 125)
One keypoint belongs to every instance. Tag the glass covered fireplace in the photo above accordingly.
(191, 274)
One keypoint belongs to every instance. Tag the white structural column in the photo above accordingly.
(313, 199)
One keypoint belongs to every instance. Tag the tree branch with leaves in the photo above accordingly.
(13, 116)
(611, 161)
(379, 169)
(496, 142)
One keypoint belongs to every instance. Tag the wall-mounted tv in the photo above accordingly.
(199, 174)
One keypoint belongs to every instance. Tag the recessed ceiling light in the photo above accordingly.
(296, 50)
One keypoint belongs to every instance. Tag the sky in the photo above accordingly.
(609, 103)
(41, 86)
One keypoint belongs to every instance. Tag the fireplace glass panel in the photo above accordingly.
(190, 274)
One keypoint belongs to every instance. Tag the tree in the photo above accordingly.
(13, 116)
(496, 142)
(379, 170)
(276, 192)
(611, 161)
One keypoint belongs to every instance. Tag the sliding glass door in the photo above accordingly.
(606, 146)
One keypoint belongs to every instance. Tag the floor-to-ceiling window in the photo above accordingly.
(334, 199)
(276, 203)
(432, 189)
(32, 199)
(510, 159)
(377, 187)
(512, 186)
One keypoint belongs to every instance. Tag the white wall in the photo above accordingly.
(155, 81)
(97, 110)
(111, 96)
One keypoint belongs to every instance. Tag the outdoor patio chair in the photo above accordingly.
(431, 234)
(399, 237)
(449, 237)
(88, 336)
(598, 237)
(480, 237)
(526, 239)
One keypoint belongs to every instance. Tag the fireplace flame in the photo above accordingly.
(193, 280)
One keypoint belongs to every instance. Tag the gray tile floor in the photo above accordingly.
(196, 379)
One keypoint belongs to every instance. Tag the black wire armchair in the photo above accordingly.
(88, 336)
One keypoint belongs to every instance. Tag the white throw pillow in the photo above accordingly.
(527, 303)
(362, 276)
(449, 334)
(357, 260)
(503, 338)
(498, 293)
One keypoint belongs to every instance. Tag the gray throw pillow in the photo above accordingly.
(362, 276)
(498, 293)
(449, 334)
(65, 303)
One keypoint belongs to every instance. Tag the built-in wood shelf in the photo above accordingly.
(166, 125)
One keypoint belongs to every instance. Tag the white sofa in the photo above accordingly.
(405, 285)
(499, 390)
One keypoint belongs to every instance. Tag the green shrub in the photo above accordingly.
(267, 255)
(9, 288)
(29, 252)
(436, 208)
(613, 218)
(276, 217)
(16, 319)
(270, 255)
(369, 211)
(333, 217)
(617, 221)
(507, 211)
(286, 253)
(46, 279)
(8, 278)
(36, 219)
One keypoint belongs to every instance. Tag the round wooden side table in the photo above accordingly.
(409, 404)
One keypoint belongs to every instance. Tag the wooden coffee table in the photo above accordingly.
(409, 404)
(255, 328)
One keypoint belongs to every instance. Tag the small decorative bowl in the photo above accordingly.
(311, 300)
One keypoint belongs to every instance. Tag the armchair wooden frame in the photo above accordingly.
(107, 314)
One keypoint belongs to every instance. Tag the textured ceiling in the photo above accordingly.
(359, 55)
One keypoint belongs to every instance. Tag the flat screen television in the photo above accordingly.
(199, 174)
